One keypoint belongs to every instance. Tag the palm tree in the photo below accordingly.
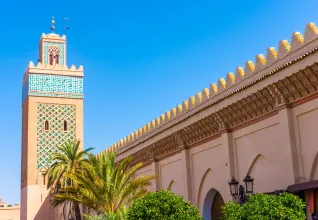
(106, 186)
(69, 159)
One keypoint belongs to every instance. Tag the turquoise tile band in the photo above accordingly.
(53, 86)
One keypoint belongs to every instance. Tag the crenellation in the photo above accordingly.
(140, 131)
(297, 41)
(192, 102)
(157, 122)
(144, 128)
(136, 134)
(168, 115)
(73, 68)
(239, 74)
(221, 85)
(178, 110)
(311, 32)
(249, 68)
(53, 36)
(185, 105)
(153, 125)
(283, 48)
(132, 137)
(162, 119)
(198, 98)
(205, 94)
(271, 56)
(53, 69)
(213, 90)
(260, 62)
(230, 80)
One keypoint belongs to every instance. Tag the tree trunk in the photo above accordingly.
(77, 211)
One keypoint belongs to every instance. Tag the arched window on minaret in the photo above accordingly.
(46, 125)
(65, 125)
(57, 58)
(51, 58)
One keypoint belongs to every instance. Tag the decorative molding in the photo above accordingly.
(263, 102)
(215, 92)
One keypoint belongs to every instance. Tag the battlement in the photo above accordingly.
(53, 70)
(274, 61)
(53, 36)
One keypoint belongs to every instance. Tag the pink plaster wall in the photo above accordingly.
(305, 129)
(260, 150)
(10, 213)
(38, 206)
(170, 170)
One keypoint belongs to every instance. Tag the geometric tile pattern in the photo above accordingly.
(46, 49)
(47, 141)
(53, 86)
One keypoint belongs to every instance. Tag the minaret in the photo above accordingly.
(52, 113)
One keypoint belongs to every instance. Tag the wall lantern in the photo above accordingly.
(238, 191)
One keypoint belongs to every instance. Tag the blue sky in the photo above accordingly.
(141, 58)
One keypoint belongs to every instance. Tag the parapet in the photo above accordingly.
(53, 36)
(53, 69)
(298, 41)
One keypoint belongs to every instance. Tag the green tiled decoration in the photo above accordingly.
(48, 140)
(46, 49)
(53, 86)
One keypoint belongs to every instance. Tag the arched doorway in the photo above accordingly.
(212, 206)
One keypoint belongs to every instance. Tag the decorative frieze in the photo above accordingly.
(266, 100)
(53, 86)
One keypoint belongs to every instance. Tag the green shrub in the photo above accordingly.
(120, 214)
(266, 207)
(110, 216)
(162, 205)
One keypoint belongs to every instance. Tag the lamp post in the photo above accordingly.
(238, 191)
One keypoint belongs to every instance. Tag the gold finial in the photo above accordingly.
(52, 24)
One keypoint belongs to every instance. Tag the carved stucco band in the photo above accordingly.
(266, 100)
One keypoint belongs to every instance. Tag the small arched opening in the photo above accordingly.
(46, 125)
(57, 59)
(51, 59)
(65, 125)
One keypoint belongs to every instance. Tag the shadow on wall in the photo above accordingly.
(314, 169)
(46, 211)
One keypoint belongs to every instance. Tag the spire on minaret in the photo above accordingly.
(52, 24)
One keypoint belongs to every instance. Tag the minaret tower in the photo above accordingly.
(52, 113)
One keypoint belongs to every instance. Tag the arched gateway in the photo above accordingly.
(212, 206)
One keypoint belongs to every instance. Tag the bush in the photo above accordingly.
(163, 205)
(120, 214)
(266, 207)
(110, 216)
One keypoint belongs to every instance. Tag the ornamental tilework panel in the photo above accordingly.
(47, 141)
(55, 83)
(47, 45)
(52, 86)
